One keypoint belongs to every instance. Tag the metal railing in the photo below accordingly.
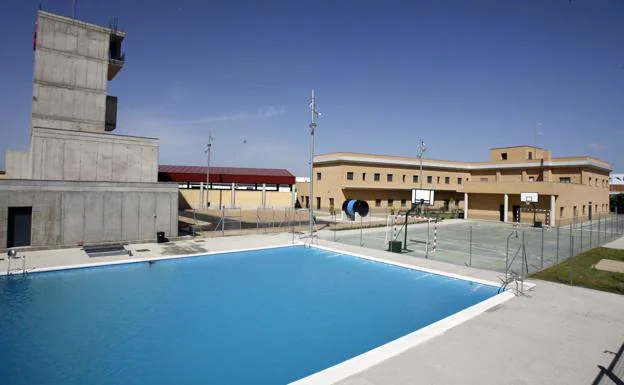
(490, 245)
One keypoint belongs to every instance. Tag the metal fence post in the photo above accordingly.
(581, 248)
(361, 244)
(591, 232)
(598, 229)
(557, 244)
(470, 247)
(572, 252)
(611, 216)
(542, 253)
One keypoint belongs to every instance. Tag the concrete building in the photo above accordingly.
(569, 188)
(77, 183)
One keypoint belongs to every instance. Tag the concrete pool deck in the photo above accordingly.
(555, 334)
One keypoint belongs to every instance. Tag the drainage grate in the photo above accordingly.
(200, 240)
(142, 250)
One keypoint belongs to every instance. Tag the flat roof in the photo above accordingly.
(402, 161)
(520, 146)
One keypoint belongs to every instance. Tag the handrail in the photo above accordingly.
(507, 252)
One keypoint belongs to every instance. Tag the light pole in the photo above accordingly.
(313, 115)
(207, 151)
(423, 148)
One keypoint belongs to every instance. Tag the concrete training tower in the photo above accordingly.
(78, 182)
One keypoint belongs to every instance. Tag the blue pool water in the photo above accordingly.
(260, 317)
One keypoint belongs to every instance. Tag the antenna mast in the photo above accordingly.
(207, 151)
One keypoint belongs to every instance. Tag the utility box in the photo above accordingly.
(395, 246)
(537, 224)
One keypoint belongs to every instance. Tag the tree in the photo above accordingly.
(617, 202)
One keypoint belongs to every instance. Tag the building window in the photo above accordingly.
(349, 176)
(483, 179)
(583, 209)
(590, 181)
(504, 156)
(531, 179)
(331, 203)
(429, 179)
(596, 208)
(318, 176)
(459, 180)
(438, 180)
(560, 212)
(363, 176)
(565, 179)
(377, 202)
(403, 178)
(575, 212)
(403, 202)
(447, 180)
(415, 178)
(376, 177)
(530, 155)
(389, 178)
(390, 202)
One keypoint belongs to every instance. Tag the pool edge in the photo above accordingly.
(141, 260)
(368, 359)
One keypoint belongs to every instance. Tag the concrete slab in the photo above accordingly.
(610, 265)
(616, 244)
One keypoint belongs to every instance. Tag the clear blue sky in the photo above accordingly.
(465, 75)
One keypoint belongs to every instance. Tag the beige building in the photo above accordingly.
(568, 188)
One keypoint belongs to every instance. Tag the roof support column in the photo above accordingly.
(465, 205)
(201, 195)
(233, 197)
(506, 208)
(263, 194)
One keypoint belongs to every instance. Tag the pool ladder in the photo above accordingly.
(309, 240)
(512, 278)
(12, 254)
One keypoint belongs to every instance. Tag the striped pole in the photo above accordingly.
(435, 235)
(394, 234)
(394, 228)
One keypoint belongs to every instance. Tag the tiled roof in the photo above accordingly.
(225, 174)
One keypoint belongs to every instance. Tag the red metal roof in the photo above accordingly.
(170, 173)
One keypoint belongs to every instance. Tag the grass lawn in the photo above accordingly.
(583, 272)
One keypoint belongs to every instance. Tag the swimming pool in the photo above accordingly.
(267, 316)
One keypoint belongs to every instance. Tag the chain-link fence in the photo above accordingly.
(236, 221)
(488, 245)
(497, 246)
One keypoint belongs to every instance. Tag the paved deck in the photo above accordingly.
(616, 244)
(555, 335)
